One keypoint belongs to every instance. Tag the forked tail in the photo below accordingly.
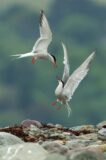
(23, 55)
(69, 109)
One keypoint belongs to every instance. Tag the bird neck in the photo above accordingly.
(59, 89)
(60, 86)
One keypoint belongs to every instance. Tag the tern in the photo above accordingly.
(68, 84)
(39, 50)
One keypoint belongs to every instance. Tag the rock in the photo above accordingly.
(84, 127)
(90, 154)
(104, 155)
(28, 122)
(58, 125)
(8, 139)
(59, 141)
(53, 142)
(100, 125)
(32, 130)
(102, 133)
(91, 136)
(53, 147)
(102, 147)
(56, 157)
(75, 143)
(26, 151)
(60, 135)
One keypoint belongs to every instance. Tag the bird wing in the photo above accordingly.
(77, 77)
(66, 65)
(45, 35)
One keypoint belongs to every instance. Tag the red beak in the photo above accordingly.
(58, 79)
(54, 64)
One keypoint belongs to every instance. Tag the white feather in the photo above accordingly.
(77, 77)
(66, 65)
(45, 35)
(43, 41)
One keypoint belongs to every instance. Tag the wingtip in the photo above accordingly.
(41, 17)
(41, 11)
(62, 43)
(94, 52)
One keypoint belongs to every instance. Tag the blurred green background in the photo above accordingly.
(26, 90)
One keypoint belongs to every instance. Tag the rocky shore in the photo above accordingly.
(32, 140)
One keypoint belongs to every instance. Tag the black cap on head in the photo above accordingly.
(104, 126)
(54, 57)
(62, 82)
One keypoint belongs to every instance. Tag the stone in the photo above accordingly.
(32, 130)
(100, 125)
(84, 127)
(8, 139)
(56, 157)
(58, 125)
(51, 143)
(60, 135)
(75, 143)
(53, 147)
(92, 136)
(102, 133)
(26, 151)
(58, 141)
(104, 155)
(102, 147)
(90, 154)
(26, 123)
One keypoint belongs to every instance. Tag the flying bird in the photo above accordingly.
(39, 50)
(68, 84)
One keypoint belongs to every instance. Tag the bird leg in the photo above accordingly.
(68, 108)
(59, 107)
(54, 103)
(33, 60)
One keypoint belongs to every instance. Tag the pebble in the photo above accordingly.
(26, 123)
(59, 141)
(102, 133)
(91, 136)
(57, 135)
(75, 143)
(84, 127)
(58, 125)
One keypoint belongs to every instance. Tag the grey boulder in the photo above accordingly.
(53, 147)
(88, 154)
(8, 139)
(25, 151)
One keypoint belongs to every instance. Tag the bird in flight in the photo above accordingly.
(68, 84)
(39, 50)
